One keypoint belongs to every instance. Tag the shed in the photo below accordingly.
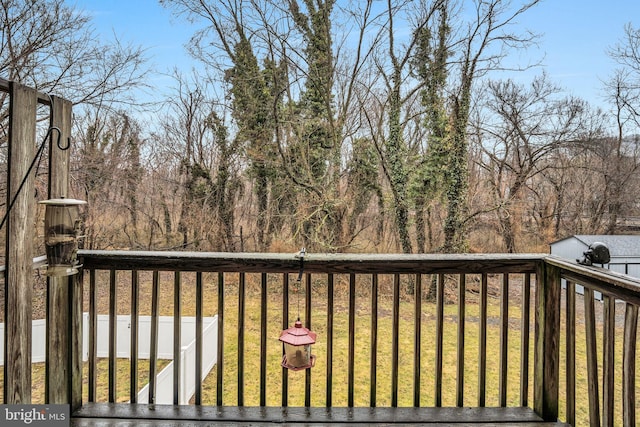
(624, 250)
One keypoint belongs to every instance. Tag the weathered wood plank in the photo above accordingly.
(547, 343)
(315, 415)
(605, 281)
(43, 98)
(19, 245)
(313, 263)
(64, 294)
(75, 326)
(95, 422)
(59, 153)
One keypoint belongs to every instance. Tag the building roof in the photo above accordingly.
(619, 245)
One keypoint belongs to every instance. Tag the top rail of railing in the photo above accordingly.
(617, 285)
(43, 98)
(313, 263)
(614, 284)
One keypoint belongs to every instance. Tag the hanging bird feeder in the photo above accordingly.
(61, 232)
(297, 340)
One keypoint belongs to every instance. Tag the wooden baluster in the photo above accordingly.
(482, 347)
(153, 350)
(439, 339)
(285, 325)
(524, 340)
(241, 328)
(329, 373)
(608, 380)
(263, 339)
(571, 352)
(417, 339)
(629, 366)
(462, 291)
(373, 353)
(93, 337)
(220, 364)
(395, 340)
(352, 341)
(177, 337)
(504, 339)
(135, 310)
(113, 336)
(307, 310)
(592, 358)
(198, 373)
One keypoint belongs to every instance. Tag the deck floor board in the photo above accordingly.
(124, 415)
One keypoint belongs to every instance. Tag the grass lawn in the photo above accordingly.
(122, 382)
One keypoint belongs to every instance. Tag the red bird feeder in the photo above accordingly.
(297, 342)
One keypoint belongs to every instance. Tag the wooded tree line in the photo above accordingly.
(378, 126)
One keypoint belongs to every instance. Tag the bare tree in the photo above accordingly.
(620, 153)
(51, 46)
(293, 85)
(481, 47)
(519, 133)
(107, 172)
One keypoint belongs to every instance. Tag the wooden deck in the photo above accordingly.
(107, 415)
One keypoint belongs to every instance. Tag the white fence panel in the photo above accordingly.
(164, 381)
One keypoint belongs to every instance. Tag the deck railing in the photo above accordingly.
(613, 317)
(406, 292)
(393, 330)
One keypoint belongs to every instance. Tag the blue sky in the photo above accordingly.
(575, 35)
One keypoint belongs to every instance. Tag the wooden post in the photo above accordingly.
(19, 246)
(547, 342)
(64, 293)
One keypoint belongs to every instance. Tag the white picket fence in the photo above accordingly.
(164, 380)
